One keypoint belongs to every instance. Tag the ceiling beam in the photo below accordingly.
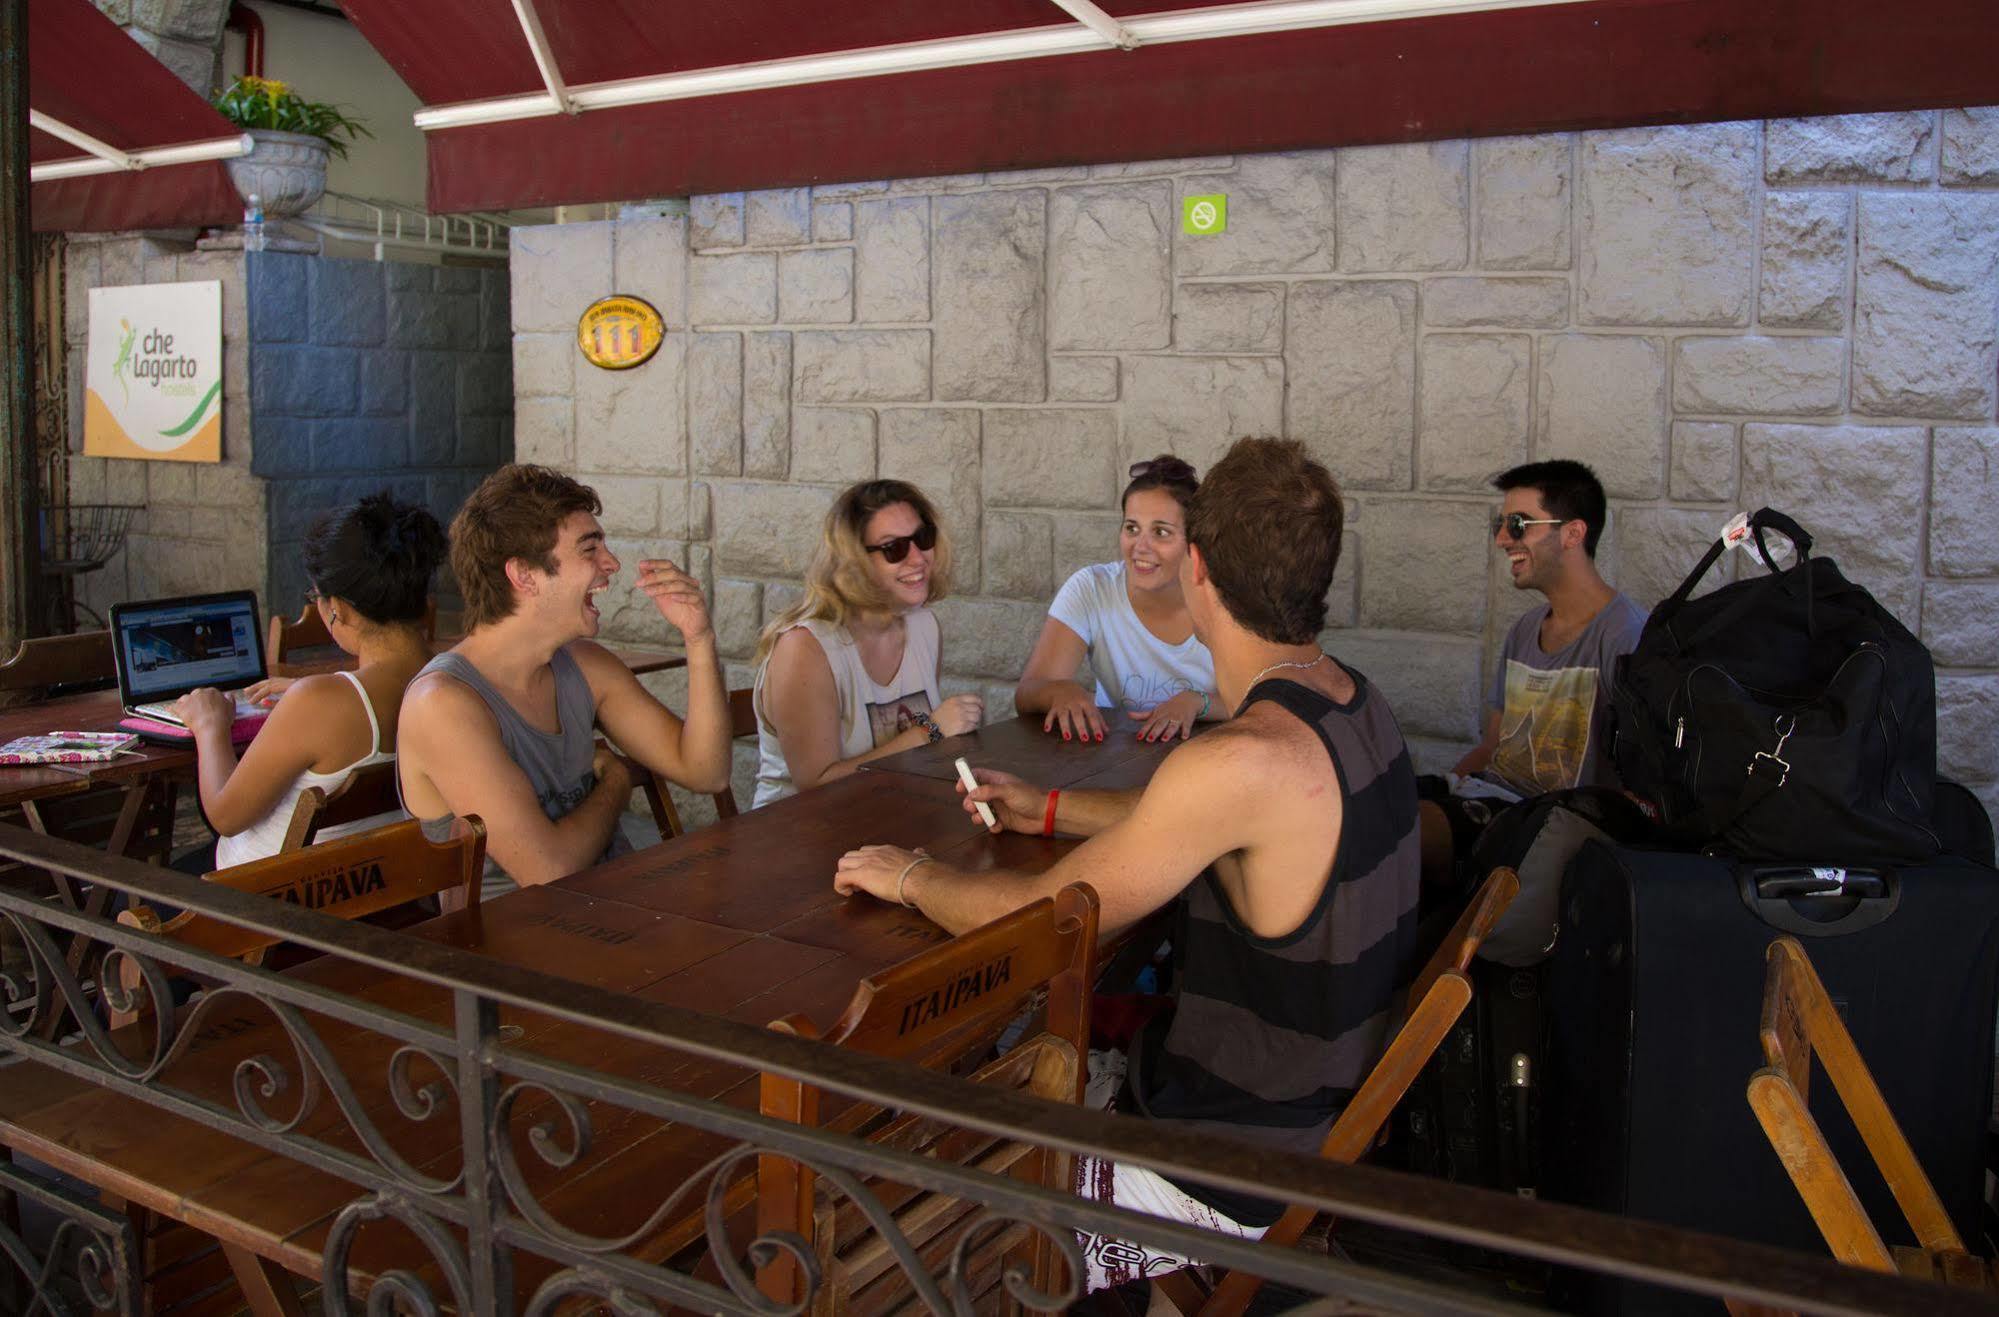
(1025, 43)
(544, 57)
(107, 159)
(104, 151)
(1095, 19)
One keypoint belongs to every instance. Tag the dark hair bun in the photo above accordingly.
(1167, 472)
(379, 555)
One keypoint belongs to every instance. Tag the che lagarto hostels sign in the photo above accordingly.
(153, 378)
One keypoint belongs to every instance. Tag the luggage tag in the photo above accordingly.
(1737, 535)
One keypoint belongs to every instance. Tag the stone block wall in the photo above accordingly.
(184, 35)
(201, 526)
(367, 375)
(1800, 313)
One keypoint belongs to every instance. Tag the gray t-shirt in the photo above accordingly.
(1553, 707)
(557, 765)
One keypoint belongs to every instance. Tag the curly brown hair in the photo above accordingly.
(1267, 520)
(514, 513)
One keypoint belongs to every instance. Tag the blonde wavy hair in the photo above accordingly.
(840, 584)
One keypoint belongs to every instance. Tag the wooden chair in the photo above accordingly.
(919, 1011)
(1437, 998)
(80, 660)
(1799, 1022)
(366, 792)
(350, 878)
(287, 635)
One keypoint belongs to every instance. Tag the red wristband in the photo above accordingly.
(1048, 819)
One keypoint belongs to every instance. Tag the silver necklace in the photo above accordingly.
(1275, 666)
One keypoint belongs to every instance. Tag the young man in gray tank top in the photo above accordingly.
(504, 724)
(1287, 836)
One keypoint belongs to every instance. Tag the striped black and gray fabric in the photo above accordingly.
(1269, 1037)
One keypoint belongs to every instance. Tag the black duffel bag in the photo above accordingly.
(1788, 717)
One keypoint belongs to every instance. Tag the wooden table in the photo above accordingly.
(1019, 746)
(739, 919)
(98, 711)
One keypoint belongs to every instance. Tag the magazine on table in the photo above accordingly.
(67, 747)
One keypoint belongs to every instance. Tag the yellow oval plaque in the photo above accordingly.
(620, 332)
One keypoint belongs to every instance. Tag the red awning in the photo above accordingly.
(673, 100)
(86, 75)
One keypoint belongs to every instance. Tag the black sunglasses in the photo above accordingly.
(897, 548)
(1516, 523)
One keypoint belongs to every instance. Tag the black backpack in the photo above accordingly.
(1788, 717)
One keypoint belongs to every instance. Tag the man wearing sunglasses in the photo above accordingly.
(1547, 709)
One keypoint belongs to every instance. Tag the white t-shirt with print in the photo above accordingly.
(1134, 668)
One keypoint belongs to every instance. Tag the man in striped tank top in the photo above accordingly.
(1287, 837)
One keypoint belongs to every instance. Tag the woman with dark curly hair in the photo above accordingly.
(370, 566)
(1129, 619)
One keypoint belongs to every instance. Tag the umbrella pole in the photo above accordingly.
(19, 479)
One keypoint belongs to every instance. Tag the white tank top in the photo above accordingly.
(870, 713)
(263, 838)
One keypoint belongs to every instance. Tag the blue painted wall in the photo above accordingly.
(367, 375)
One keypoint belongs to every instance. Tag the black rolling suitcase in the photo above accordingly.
(1655, 990)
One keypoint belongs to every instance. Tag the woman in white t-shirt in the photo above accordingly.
(370, 566)
(1130, 620)
(850, 673)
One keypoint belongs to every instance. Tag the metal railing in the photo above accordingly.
(390, 224)
(475, 1212)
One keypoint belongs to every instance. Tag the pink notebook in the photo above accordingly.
(152, 730)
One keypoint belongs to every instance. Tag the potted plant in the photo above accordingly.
(286, 171)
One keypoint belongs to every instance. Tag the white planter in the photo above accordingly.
(286, 171)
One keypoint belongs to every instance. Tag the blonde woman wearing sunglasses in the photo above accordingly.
(850, 673)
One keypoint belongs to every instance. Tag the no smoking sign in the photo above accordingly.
(1202, 216)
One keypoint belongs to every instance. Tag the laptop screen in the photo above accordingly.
(168, 648)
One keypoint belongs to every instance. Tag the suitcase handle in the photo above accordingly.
(1818, 900)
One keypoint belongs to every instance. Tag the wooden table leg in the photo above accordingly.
(268, 1289)
(94, 904)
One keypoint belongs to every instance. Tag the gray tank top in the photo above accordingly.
(556, 764)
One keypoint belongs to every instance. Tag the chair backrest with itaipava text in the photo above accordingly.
(932, 1009)
(349, 879)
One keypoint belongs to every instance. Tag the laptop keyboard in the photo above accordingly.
(163, 711)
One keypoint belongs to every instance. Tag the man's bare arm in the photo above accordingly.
(1196, 809)
(1023, 807)
(693, 752)
(448, 746)
(1481, 754)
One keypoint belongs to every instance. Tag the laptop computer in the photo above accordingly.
(167, 647)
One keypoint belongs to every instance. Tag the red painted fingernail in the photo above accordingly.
(1065, 736)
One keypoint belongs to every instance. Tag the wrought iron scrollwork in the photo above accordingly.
(740, 1273)
(97, 1247)
(1014, 1278)
(397, 1290)
(588, 1283)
